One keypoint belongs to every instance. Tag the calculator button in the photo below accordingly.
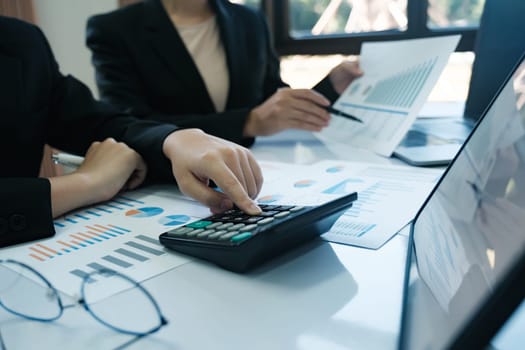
(237, 227)
(248, 227)
(206, 233)
(243, 236)
(214, 225)
(265, 221)
(281, 214)
(228, 235)
(216, 234)
(224, 226)
(199, 224)
(253, 219)
(194, 232)
(268, 213)
(180, 231)
(294, 209)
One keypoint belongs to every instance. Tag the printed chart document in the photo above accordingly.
(389, 196)
(390, 200)
(121, 234)
(398, 78)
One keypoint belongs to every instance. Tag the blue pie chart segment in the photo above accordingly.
(335, 169)
(144, 212)
(174, 220)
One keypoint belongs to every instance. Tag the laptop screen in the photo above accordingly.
(499, 45)
(467, 263)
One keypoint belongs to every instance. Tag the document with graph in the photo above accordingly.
(120, 234)
(398, 78)
(389, 196)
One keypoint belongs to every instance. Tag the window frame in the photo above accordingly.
(277, 12)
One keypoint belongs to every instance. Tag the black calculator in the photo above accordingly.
(239, 242)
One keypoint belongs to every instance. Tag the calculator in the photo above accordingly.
(239, 242)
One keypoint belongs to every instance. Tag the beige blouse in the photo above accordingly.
(205, 46)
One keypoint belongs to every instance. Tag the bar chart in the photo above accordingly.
(120, 235)
(391, 92)
(401, 89)
(72, 242)
(116, 205)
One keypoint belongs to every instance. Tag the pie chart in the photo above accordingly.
(144, 212)
(303, 183)
(335, 169)
(174, 220)
(269, 199)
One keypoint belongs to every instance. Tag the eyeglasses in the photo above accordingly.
(27, 293)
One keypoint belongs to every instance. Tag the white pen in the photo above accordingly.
(67, 159)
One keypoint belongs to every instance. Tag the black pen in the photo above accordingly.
(334, 111)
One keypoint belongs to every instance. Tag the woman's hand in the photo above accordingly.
(108, 168)
(288, 109)
(198, 158)
(344, 74)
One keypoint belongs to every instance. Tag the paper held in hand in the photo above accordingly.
(398, 78)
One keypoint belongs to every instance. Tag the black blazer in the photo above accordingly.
(38, 105)
(142, 64)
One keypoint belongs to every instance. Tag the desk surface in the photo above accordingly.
(320, 296)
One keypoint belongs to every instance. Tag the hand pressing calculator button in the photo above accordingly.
(238, 242)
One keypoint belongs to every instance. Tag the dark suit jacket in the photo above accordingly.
(38, 105)
(142, 63)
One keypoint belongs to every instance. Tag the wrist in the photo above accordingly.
(250, 125)
(72, 191)
(174, 141)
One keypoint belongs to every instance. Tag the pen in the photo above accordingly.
(335, 111)
(67, 159)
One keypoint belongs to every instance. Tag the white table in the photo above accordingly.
(320, 296)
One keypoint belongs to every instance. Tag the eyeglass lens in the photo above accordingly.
(137, 311)
(26, 293)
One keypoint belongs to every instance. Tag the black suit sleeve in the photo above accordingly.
(25, 212)
(62, 112)
(326, 88)
(77, 120)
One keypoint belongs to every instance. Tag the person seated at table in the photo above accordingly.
(206, 64)
(38, 106)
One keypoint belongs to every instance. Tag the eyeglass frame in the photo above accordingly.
(82, 299)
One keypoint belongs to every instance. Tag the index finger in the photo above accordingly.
(230, 185)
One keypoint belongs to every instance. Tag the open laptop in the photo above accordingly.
(499, 44)
(466, 261)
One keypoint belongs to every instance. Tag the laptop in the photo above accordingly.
(466, 261)
(499, 44)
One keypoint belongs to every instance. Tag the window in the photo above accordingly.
(340, 26)
(454, 13)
